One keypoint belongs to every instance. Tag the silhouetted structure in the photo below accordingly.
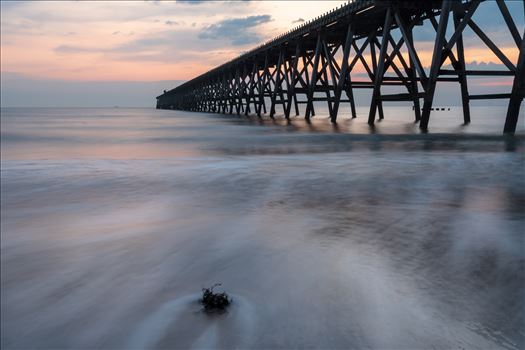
(318, 57)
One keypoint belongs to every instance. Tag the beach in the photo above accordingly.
(114, 219)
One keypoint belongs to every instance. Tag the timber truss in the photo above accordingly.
(315, 62)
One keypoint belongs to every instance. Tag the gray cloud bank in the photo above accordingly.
(200, 2)
(238, 30)
(20, 91)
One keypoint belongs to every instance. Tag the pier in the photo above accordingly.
(314, 61)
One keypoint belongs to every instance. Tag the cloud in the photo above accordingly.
(192, 2)
(7, 5)
(480, 66)
(168, 46)
(115, 33)
(298, 20)
(171, 23)
(200, 2)
(236, 29)
(486, 65)
(67, 49)
(84, 12)
(20, 90)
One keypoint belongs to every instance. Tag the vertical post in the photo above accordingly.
(220, 93)
(266, 72)
(325, 62)
(380, 66)
(342, 77)
(371, 45)
(461, 67)
(518, 92)
(250, 87)
(313, 81)
(294, 95)
(436, 64)
(216, 95)
(224, 94)
(278, 83)
(257, 102)
(293, 78)
(239, 91)
(412, 74)
(287, 76)
(231, 91)
(307, 75)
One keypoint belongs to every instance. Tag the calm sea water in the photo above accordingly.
(112, 220)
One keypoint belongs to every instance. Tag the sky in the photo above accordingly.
(104, 53)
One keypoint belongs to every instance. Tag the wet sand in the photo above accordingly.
(329, 241)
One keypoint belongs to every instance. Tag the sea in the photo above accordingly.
(324, 236)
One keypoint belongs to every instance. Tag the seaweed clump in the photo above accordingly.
(213, 301)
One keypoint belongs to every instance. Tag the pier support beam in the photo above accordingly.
(460, 66)
(343, 76)
(436, 64)
(518, 92)
(313, 80)
(379, 71)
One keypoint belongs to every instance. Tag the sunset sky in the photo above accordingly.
(54, 53)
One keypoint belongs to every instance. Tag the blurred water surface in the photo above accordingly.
(112, 220)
